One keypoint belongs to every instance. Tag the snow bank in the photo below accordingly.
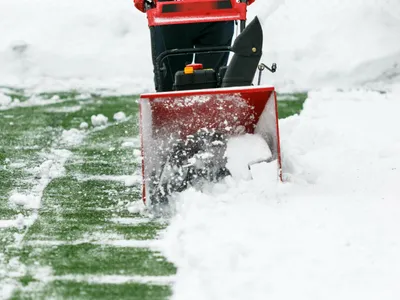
(329, 232)
(331, 43)
(105, 44)
(74, 44)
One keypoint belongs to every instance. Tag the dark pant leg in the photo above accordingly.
(187, 36)
(166, 38)
(214, 34)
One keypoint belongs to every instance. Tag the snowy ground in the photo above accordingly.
(328, 232)
(69, 202)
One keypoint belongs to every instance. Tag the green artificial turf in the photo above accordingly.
(73, 232)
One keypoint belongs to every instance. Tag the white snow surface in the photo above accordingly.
(96, 45)
(119, 116)
(330, 231)
(51, 168)
(84, 125)
(99, 120)
(72, 137)
(4, 100)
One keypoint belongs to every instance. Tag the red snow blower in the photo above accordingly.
(184, 132)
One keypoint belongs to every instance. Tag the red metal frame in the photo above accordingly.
(278, 137)
(166, 113)
(196, 11)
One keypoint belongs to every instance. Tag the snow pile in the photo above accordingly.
(72, 137)
(18, 222)
(239, 158)
(105, 44)
(137, 207)
(119, 116)
(329, 232)
(4, 100)
(10, 272)
(331, 43)
(22, 199)
(133, 181)
(99, 120)
(84, 125)
(75, 44)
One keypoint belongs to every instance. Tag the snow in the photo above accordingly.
(117, 279)
(21, 199)
(330, 231)
(128, 180)
(84, 125)
(99, 120)
(133, 180)
(17, 222)
(130, 221)
(119, 116)
(98, 238)
(51, 168)
(4, 100)
(137, 207)
(10, 271)
(242, 151)
(72, 137)
(104, 45)
(128, 144)
(66, 109)
(331, 43)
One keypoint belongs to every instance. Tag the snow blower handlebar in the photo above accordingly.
(174, 52)
(167, 12)
(247, 49)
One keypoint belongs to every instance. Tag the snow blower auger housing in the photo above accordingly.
(184, 132)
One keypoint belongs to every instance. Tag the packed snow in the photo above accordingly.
(4, 100)
(330, 231)
(99, 120)
(119, 116)
(72, 137)
(84, 125)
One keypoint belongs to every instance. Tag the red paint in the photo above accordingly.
(185, 112)
(196, 66)
(142, 153)
(216, 109)
(195, 11)
(278, 138)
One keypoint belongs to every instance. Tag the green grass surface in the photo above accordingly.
(82, 213)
